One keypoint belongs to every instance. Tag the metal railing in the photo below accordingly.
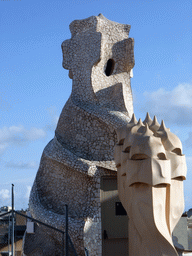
(66, 240)
(86, 252)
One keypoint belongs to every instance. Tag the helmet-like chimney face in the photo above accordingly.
(149, 153)
(150, 170)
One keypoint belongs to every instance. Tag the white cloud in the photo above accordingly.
(33, 134)
(4, 194)
(22, 165)
(21, 195)
(18, 136)
(54, 119)
(28, 192)
(188, 141)
(3, 147)
(189, 168)
(188, 194)
(175, 106)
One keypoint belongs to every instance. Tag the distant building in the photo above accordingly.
(182, 234)
(5, 219)
(5, 209)
(6, 231)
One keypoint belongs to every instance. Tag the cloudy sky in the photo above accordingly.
(34, 87)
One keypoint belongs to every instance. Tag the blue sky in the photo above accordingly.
(34, 87)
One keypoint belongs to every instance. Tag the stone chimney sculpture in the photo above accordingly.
(151, 170)
(99, 57)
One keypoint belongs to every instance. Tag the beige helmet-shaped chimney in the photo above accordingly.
(151, 169)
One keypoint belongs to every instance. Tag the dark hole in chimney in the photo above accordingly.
(110, 67)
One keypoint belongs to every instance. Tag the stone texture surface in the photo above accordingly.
(151, 170)
(99, 57)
